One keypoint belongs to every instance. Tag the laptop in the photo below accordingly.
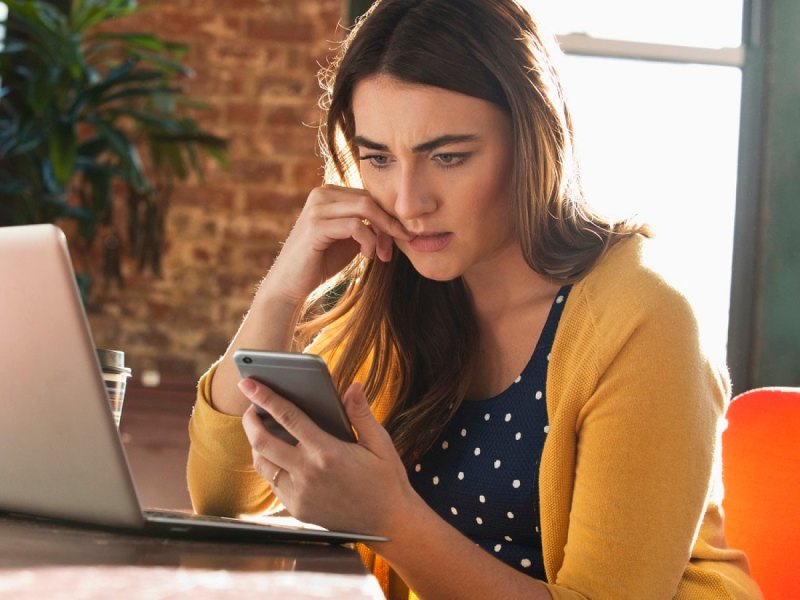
(61, 456)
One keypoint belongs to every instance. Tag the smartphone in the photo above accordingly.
(304, 380)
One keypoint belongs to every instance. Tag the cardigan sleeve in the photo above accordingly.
(219, 469)
(643, 465)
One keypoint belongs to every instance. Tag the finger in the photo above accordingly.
(386, 223)
(371, 210)
(288, 415)
(265, 443)
(266, 469)
(277, 477)
(384, 247)
(359, 203)
(364, 234)
(370, 433)
(353, 228)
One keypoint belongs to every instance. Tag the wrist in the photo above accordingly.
(277, 298)
(408, 508)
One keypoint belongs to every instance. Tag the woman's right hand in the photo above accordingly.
(335, 224)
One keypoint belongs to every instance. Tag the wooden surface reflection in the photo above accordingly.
(40, 559)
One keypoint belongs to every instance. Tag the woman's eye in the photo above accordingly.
(451, 159)
(379, 161)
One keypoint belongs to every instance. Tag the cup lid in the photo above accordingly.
(113, 360)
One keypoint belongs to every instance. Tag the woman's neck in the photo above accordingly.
(511, 303)
(506, 285)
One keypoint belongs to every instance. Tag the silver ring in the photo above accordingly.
(277, 474)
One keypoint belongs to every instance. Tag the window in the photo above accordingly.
(3, 17)
(656, 88)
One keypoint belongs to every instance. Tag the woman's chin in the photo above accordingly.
(435, 270)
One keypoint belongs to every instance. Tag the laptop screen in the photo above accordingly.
(60, 453)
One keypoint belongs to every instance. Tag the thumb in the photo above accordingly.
(357, 408)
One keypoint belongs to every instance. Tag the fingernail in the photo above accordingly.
(247, 386)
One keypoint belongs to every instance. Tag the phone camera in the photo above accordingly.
(247, 360)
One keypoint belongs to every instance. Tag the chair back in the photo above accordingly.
(761, 473)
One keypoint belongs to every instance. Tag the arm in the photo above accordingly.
(329, 233)
(437, 561)
(647, 436)
(219, 468)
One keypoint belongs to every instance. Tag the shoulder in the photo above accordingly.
(632, 298)
(633, 283)
(634, 275)
(629, 340)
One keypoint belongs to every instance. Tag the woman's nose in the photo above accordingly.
(414, 197)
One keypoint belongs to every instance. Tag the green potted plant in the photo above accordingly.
(88, 115)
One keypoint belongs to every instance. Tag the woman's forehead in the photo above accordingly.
(387, 106)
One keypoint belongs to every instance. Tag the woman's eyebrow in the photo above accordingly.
(360, 140)
(442, 140)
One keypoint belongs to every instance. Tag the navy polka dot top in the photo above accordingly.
(482, 474)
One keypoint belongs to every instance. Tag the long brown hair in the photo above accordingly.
(420, 336)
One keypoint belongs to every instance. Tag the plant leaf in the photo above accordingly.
(142, 92)
(63, 150)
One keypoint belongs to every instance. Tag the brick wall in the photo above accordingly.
(256, 63)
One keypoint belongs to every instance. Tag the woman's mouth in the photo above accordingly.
(430, 242)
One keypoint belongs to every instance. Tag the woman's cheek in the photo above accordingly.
(379, 193)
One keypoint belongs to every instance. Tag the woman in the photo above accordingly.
(536, 415)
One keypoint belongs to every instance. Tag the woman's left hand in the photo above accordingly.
(339, 485)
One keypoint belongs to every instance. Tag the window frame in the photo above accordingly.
(586, 45)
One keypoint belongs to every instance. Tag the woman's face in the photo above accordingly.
(440, 162)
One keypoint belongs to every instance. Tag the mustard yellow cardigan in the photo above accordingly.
(630, 477)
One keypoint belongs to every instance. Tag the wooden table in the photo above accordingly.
(40, 559)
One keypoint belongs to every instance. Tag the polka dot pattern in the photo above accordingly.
(482, 473)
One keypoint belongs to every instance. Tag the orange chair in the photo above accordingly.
(761, 462)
